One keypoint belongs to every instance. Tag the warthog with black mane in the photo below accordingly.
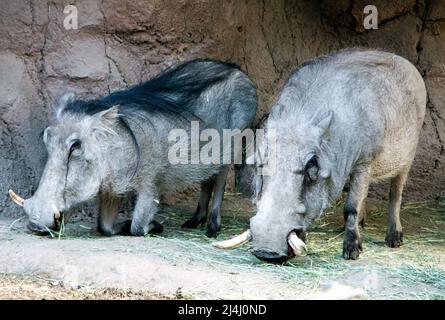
(354, 115)
(116, 145)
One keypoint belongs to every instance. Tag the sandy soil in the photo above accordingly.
(38, 288)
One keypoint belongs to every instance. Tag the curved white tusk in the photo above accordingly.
(16, 198)
(235, 242)
(297, 245)
(57, 214)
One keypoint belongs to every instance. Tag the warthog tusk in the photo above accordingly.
(57, 214)
(235, 242)
(16, 198)
(297, 245)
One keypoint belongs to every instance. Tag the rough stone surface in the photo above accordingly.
(121, 42)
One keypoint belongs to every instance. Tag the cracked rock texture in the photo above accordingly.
(121, 42)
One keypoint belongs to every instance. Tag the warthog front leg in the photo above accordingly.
(108, 210)
(361, 216)
(143, 216)
(352, 244)
(201, 212)
(362, 213)
(214, 222)
(394, 235)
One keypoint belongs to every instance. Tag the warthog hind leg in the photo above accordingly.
(214, 222)
(394, 235)
(201, 212)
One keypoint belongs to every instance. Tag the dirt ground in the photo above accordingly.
(80, 264)
(35, 287)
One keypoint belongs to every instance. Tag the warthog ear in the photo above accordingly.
(103, 122)
(111, 114)
(64, 101)
(321, 124)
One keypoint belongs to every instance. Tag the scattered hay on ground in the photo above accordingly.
(382, 271)
(415, 271)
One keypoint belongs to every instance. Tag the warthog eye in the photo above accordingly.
(311, 170)
(75, 146)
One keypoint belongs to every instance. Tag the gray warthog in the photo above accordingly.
(117, 145)
(354, 115)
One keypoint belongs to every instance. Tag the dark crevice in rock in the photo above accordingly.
(105, 46)
(40, 60)
(264, 34)
(107, 56)
(292, 35)
(5, 125)
(419, 41)
(431, 108)
(394, 18)
(435, 116)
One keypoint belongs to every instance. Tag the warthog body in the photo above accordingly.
(352, 116)
(117, 145)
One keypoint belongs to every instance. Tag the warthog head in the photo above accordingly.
(297, 192)
(76, 167)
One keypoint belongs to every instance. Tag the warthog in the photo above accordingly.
(351, 116)
(118, 144)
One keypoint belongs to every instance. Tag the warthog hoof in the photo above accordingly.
(138, 231)
(126, 228)
(352, 247)
(212, 230)
(193, 223)
(155, 227)
(121, 228)
(394, 239)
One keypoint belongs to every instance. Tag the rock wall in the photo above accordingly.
(119, 43)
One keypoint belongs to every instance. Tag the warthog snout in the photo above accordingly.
(42, 218)
(295, 247)
(271, 256)
(38, 228)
